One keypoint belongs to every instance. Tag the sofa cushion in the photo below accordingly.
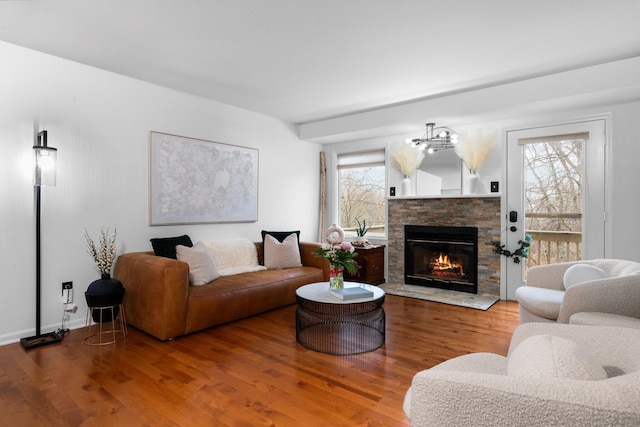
(604, 319)
(202, 269)
(234, 297)
(284, 254)
(540, 301)
(580, 273)
(548, 356)
(234, 256)
(166, 246)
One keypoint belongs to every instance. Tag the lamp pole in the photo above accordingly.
(41, 178)
(38, 260)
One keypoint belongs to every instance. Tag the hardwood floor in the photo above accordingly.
(248, 373)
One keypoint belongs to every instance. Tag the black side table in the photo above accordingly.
(330, 325)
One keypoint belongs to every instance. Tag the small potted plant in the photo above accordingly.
(361, 231)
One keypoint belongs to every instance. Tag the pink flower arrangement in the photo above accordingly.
(340, 256)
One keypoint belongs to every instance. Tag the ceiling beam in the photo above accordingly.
(604, 84)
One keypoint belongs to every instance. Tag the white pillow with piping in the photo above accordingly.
(580, 273)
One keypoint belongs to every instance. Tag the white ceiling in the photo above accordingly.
(308, 60)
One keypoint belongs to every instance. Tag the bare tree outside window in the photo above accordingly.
(362, 197)
(553, 177)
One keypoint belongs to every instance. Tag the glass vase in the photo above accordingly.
(336, 279)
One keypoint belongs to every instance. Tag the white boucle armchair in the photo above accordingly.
(481, 389)
(545, 299)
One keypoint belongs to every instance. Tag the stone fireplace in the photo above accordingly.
(441, 257)
(481, 212)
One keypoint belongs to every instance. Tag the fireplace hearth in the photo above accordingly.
(442, 257)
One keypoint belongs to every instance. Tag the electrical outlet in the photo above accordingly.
(392, 191)
(67, 285)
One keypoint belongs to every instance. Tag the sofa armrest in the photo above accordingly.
(156, 290)
(615, 295)
(457, 398)
(609, 345)
(307, 250)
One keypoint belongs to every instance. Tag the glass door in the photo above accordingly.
(555, 194)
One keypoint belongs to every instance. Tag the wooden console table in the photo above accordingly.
(371, 262)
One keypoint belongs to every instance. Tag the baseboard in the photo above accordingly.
(15, 337)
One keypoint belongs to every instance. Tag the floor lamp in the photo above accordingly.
(45, 174)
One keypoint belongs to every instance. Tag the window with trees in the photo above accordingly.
(554, 198)
(361, 190)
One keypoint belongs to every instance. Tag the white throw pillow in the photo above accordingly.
(580, 273)
(202, 269)
(548, 356)
(281, 255)
(234, 256)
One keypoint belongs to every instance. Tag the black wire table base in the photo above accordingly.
(340, 329)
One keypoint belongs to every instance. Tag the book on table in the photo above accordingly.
(351, 293)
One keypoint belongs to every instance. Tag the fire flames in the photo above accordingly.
(444, 265)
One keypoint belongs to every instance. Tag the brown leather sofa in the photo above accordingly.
(160, 301)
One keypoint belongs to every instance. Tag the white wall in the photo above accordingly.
(100, 123)
(624, 171)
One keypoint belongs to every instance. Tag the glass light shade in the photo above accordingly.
(45, 165)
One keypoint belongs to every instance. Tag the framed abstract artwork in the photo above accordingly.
(197, 181)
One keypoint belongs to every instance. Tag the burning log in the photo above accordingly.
(444, 266)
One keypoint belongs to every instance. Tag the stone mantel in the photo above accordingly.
(481, 211)
(446, 196)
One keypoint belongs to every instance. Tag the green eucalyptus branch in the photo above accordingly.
(521, 252)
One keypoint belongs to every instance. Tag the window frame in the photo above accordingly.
(361, 158)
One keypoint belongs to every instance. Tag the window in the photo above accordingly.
(553, 181)
(361, 190)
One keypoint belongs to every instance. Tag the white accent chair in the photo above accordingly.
(484, 389)
(545, 299)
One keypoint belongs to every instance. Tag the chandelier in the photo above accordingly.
(435, 139)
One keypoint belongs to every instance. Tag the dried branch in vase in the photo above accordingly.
(106, 254)
(475, 149)
(406, 158)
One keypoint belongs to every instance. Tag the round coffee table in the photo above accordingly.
(330, 325)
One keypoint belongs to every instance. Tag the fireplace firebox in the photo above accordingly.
(441, 257)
